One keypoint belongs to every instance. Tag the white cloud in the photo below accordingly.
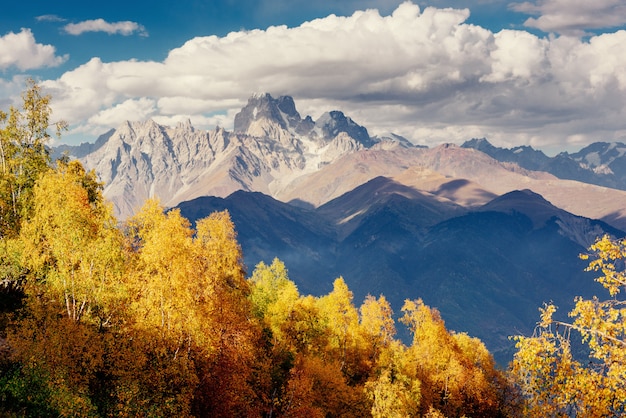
(573, 17)
(517, 55)
(20, 50)
(50, 18)
(187, 105)
(131, 109)
(10, 91)
(125, 28)
(425, 74)
(82, 92)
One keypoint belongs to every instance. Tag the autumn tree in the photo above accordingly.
(327, 376)
(23, 155)
(314, 345)
(72, 245)
(70, 251)
(192, 314)
(392, 391)
(273, 295)
(553, 380)
(338, 312)
(318, 388)
(393, 388)
(233, 373)
(23, 159)
(377, 326)
(457, 375)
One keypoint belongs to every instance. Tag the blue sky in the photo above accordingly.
(546, 73)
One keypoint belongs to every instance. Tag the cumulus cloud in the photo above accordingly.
(125, 28)
(425, 74)
(573, 17)
(10, 90)
(131, 109)
(22, 51)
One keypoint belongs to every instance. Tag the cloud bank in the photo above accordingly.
(20, 50)
(125, 28)
(425, 74)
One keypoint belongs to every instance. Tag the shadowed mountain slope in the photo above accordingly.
(486, 270)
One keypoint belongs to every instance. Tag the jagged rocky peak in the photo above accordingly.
(480, 144)
(600, 153)
(333, 123)
(264, 106)
(185, 125)
(283, 112)
(389, 140)
(130, 131)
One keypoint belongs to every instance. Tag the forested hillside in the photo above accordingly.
(155, 318)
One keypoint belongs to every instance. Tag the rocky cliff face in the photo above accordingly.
(143, 159)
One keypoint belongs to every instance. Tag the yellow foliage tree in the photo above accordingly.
(72, 244)
(23, 155)
(553, 381)
(233, 374)
(342, 319)
(457, 375)
(377, 326)
(71, 249)
(162, 273)
(394, 390)
(192, 312)
(273, 296)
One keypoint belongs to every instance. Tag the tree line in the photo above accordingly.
(155, 317)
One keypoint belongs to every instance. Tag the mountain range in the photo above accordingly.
(601, 163)
(484, 234)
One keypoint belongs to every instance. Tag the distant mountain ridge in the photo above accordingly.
(601, 163)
